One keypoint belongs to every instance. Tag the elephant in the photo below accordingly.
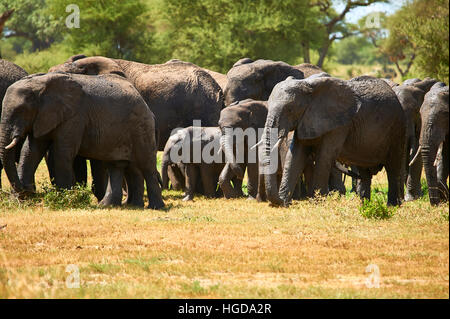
(9, 73)
(435, 132)
(249, 79)
(357, 122)
(411, 98)
(250, 116)
(190, 146)
(220, 78)
(98, 117)
(176, 92)
(308, 69)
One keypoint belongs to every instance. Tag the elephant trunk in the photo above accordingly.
(164, 171)
(227, 146)
(270, 176)
(428, 158)
(8, 145)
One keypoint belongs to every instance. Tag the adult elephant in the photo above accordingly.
(177, 92)
(358, 122)
(220, 78)
(196, 148)
(9, 73)
(100, 117)
(410, 96)
(435, 132)
(249, 79)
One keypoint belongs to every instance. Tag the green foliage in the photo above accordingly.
(216, 33)
(41, 61)
(376, 208)
(356, 50)
(79, 197)
(32, 21)
(117, 29)
(419, 32)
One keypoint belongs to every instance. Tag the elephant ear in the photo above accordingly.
(58, 101)
(331, 104)
(276, 72)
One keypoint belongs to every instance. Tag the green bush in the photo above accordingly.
(78, 196)
(376, 208)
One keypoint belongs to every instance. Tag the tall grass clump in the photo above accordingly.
(78, 197)
(376, 208)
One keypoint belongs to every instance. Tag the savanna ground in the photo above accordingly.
(221, 248)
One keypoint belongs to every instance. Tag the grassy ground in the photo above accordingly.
(224, 249)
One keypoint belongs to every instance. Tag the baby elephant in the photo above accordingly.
(195, 151)
(98, 117)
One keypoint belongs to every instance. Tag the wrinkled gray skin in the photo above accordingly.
(255, 80)
(98, 117)
(410, 96)
(9, 73)
(435, 131)
(176, 92)
(247, 114)
(358, 122)
(208, 173)
(220, 78)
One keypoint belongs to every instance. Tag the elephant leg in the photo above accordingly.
(155, 200)
(237, 186)
(326, 155)
(335, 181)
(261, 197)
(293, 168)
(32, 153)
(208, 180)
(394, 174)
(443, 170)
(252, 180)
(414, 173)
(135, 187)
(99, 178)
(364, 185)
(191, 176)
(80, 170)
(354, 180)
(225, 182)
(308, 173)
(113, 195)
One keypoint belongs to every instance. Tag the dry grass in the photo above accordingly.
(225, 249)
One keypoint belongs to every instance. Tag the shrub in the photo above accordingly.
(376, 208)
(78, 196)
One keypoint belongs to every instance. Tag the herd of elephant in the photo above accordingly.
(118, 114)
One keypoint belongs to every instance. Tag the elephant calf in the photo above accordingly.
(98, 117)
(193, 152)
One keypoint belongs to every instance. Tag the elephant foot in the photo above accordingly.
(409, 197)
(156, 205)
(109, 203)
(261, 198)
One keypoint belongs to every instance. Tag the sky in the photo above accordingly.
(354, 15)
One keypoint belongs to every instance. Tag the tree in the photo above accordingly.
(117, 29)
(31, 21)
(333, 23)
(417, 34)
(216, 33)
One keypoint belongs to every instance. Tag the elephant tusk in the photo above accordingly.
(220, 150)
(416, 156)
(12, 144)
(438, 156)
(256, 145)
(276, 144)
